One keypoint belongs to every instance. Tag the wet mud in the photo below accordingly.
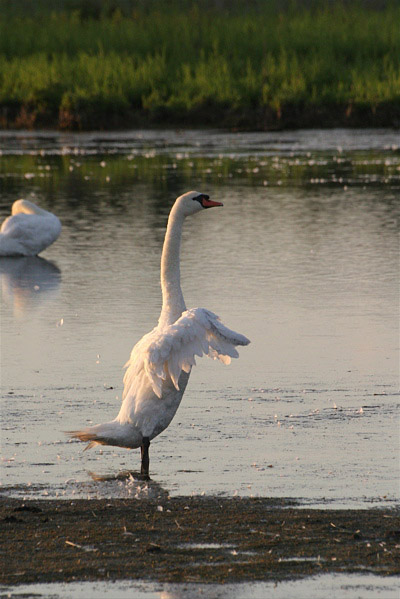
(196, 539)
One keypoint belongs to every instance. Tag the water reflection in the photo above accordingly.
(345, 586)
(96, 165)
(306, 269)
(27, 282)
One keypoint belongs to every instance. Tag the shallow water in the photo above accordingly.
(302, 259)
(350, 586)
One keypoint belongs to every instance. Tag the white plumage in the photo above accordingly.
(28, 231)
(166, 352)
(159, 367)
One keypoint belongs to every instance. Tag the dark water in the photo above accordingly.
(302, 259)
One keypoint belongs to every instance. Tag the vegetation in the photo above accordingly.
(101, 65)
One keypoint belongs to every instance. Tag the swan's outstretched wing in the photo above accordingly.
(172, 349)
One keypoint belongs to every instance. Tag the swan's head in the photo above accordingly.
(193, 202)
(26, 207)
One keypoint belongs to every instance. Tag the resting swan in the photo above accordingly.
(28, 231)
(160, 363)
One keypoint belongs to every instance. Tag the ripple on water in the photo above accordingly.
(303, 260)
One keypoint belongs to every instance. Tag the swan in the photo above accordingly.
(28, 231)
(160, 363)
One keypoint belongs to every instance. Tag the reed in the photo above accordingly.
(195, 64)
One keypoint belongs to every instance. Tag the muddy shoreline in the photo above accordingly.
(191, 539)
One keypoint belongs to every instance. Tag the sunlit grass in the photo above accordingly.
(176, 64)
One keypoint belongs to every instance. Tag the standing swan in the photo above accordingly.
(28, 231)
(160, 363)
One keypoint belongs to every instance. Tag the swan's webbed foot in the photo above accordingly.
(144, 451)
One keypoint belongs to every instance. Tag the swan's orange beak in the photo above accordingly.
(206, 203)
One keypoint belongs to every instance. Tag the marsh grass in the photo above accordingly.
(199, 65)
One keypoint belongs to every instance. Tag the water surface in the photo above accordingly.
(350, 586)
(302, 259)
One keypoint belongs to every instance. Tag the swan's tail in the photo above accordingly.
(110, 433)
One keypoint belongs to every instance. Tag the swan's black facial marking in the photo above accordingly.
(205, 201)
(200, 198)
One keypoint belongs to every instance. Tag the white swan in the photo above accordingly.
(160, 363)
(28, 231)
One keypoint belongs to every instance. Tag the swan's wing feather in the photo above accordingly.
(19, 225)
(137, 364)
(225, 334)
(166, 351)
(34, 232)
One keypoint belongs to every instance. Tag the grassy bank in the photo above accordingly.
(194, 64)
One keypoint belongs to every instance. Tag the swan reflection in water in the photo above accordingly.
(27, 282)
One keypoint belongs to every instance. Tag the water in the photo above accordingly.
(340, 586)
(302, 259)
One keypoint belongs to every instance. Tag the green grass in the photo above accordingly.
(194, 64)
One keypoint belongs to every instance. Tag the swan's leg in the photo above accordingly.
(144, 451)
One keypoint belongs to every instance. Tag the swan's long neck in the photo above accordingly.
(173, 303)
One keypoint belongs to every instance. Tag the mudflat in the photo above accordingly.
(198, 539)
